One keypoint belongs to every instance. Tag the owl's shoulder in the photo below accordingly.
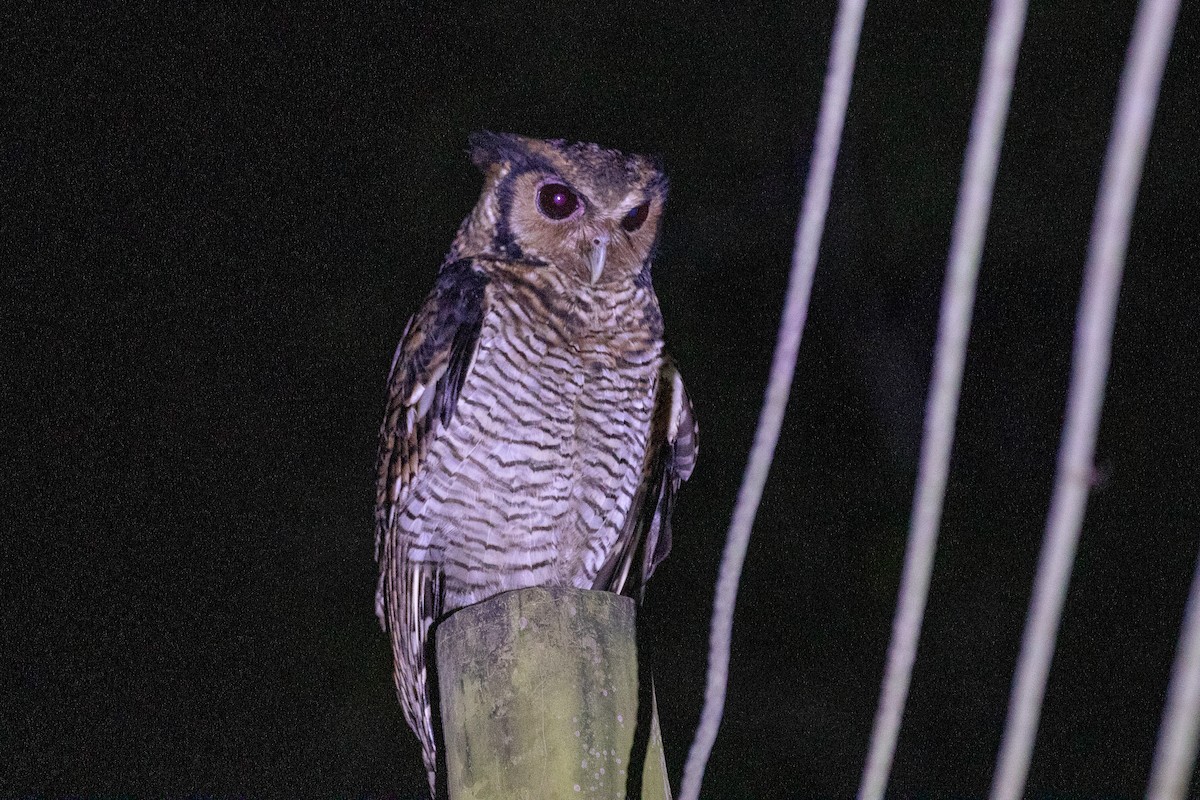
(457, 299)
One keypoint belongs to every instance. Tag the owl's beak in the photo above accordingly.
(596, 255)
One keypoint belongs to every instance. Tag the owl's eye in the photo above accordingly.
(557, 201)
(636, 216)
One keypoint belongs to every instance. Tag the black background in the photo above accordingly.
(218, 221)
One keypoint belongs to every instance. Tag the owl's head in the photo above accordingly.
(591, 212)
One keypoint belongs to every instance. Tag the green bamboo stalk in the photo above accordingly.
(539, 699)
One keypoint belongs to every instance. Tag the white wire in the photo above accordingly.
(958, 297)
(1136, 101)
(843, 53)
(1175, 754)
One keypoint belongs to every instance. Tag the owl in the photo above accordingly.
(535, 431)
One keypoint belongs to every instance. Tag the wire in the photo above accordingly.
(958, 298)
(843, 53)
(1113, 219)
(1175, 754)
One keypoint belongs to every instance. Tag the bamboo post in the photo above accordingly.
(540, 699)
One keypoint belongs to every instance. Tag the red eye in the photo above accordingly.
(636, 216)
(557, 201)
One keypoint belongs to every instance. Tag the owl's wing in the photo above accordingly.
(431, 362)
(673, 446)
(428, 371)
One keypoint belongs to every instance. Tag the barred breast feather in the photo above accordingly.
(535, 434)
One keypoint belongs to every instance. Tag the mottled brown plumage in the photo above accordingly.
(535, 431)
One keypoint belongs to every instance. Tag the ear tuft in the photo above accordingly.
(488, 148)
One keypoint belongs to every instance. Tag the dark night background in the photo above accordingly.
(217, 222)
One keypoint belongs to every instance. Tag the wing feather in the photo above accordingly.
(429, 369)
(672, 449)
